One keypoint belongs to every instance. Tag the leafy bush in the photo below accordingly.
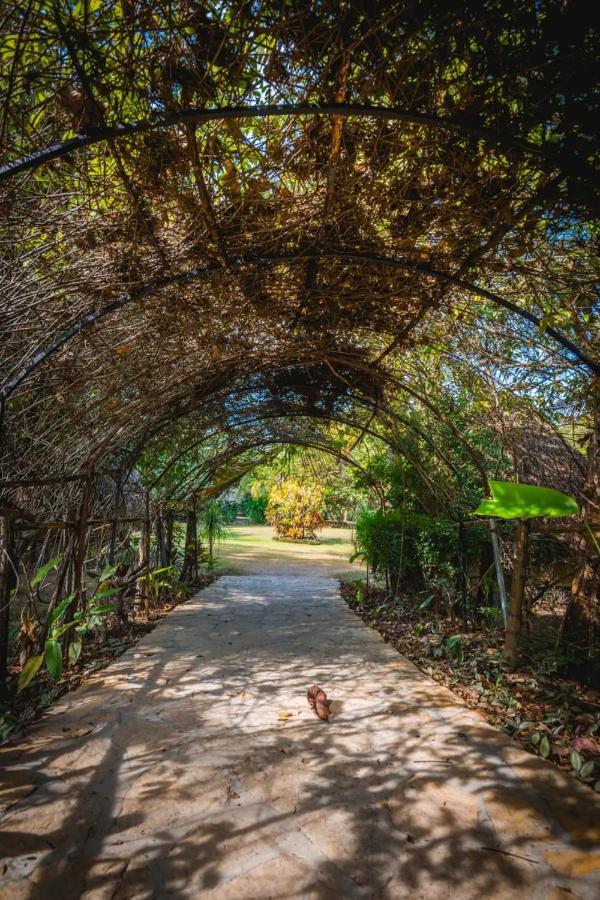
(212, 525)
(413, 550)
(255, 509)
(380, 541)
(295, 510)
(229, 510)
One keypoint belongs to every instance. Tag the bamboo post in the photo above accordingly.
(115, 522)
(56, 593)
(517, 591)
(7, 583)
(145, 551)
(79, 555)
(169, 532)
(196, 548)
(161, 548)
(187, 569)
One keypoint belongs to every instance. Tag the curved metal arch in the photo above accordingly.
(89, 319)
(300, 441)
(256, 418)
(329, 417)
(199, 115)
(357, 399)
(287, 414)
(293, 440)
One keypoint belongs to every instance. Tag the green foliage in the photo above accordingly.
(525, 501)
(212, 525)
(160, 579)
(29, 671)
(255, 509)
(413, 550)
(454, 647)
(379, 539)
(53, 658)
(82, 622)
(44, 570)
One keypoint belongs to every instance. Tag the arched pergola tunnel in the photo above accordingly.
(230, 230)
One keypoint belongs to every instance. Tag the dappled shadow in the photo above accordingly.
(180, 779)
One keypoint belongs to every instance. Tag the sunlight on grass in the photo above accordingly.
(252, 549)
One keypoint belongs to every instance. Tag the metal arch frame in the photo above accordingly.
(199, 115)
(253, 417)
(89, 319)
(237, 450)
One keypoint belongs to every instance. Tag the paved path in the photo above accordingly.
(172, 776)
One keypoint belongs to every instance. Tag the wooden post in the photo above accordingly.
(7, 583)
(79, 557)
(161, 547)
(517, 591)
(145, 552)
(187, 569)
(114, 526)
(169, 528)
(582, 619)
(196, 548)
(56, 593)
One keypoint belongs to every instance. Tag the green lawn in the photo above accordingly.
(252, 550)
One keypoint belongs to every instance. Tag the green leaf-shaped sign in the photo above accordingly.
(525, 501)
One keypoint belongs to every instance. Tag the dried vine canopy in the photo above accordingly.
(194, 195)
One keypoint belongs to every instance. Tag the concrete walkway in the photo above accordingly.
(173, 774)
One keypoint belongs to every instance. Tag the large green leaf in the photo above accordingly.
(59, 610)
(29, 671)
(525, 501)
(53, 659)
(44, 570)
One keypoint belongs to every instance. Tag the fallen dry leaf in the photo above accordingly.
(284, 715)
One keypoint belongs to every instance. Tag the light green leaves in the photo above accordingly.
(29, 671)
(74, 651)
(44, 570)
(583, 769)
(53, 659)
(525, 501)
(60, 609)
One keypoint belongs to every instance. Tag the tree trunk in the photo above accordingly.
(7, 583)
(517, 591)
(497, 551)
